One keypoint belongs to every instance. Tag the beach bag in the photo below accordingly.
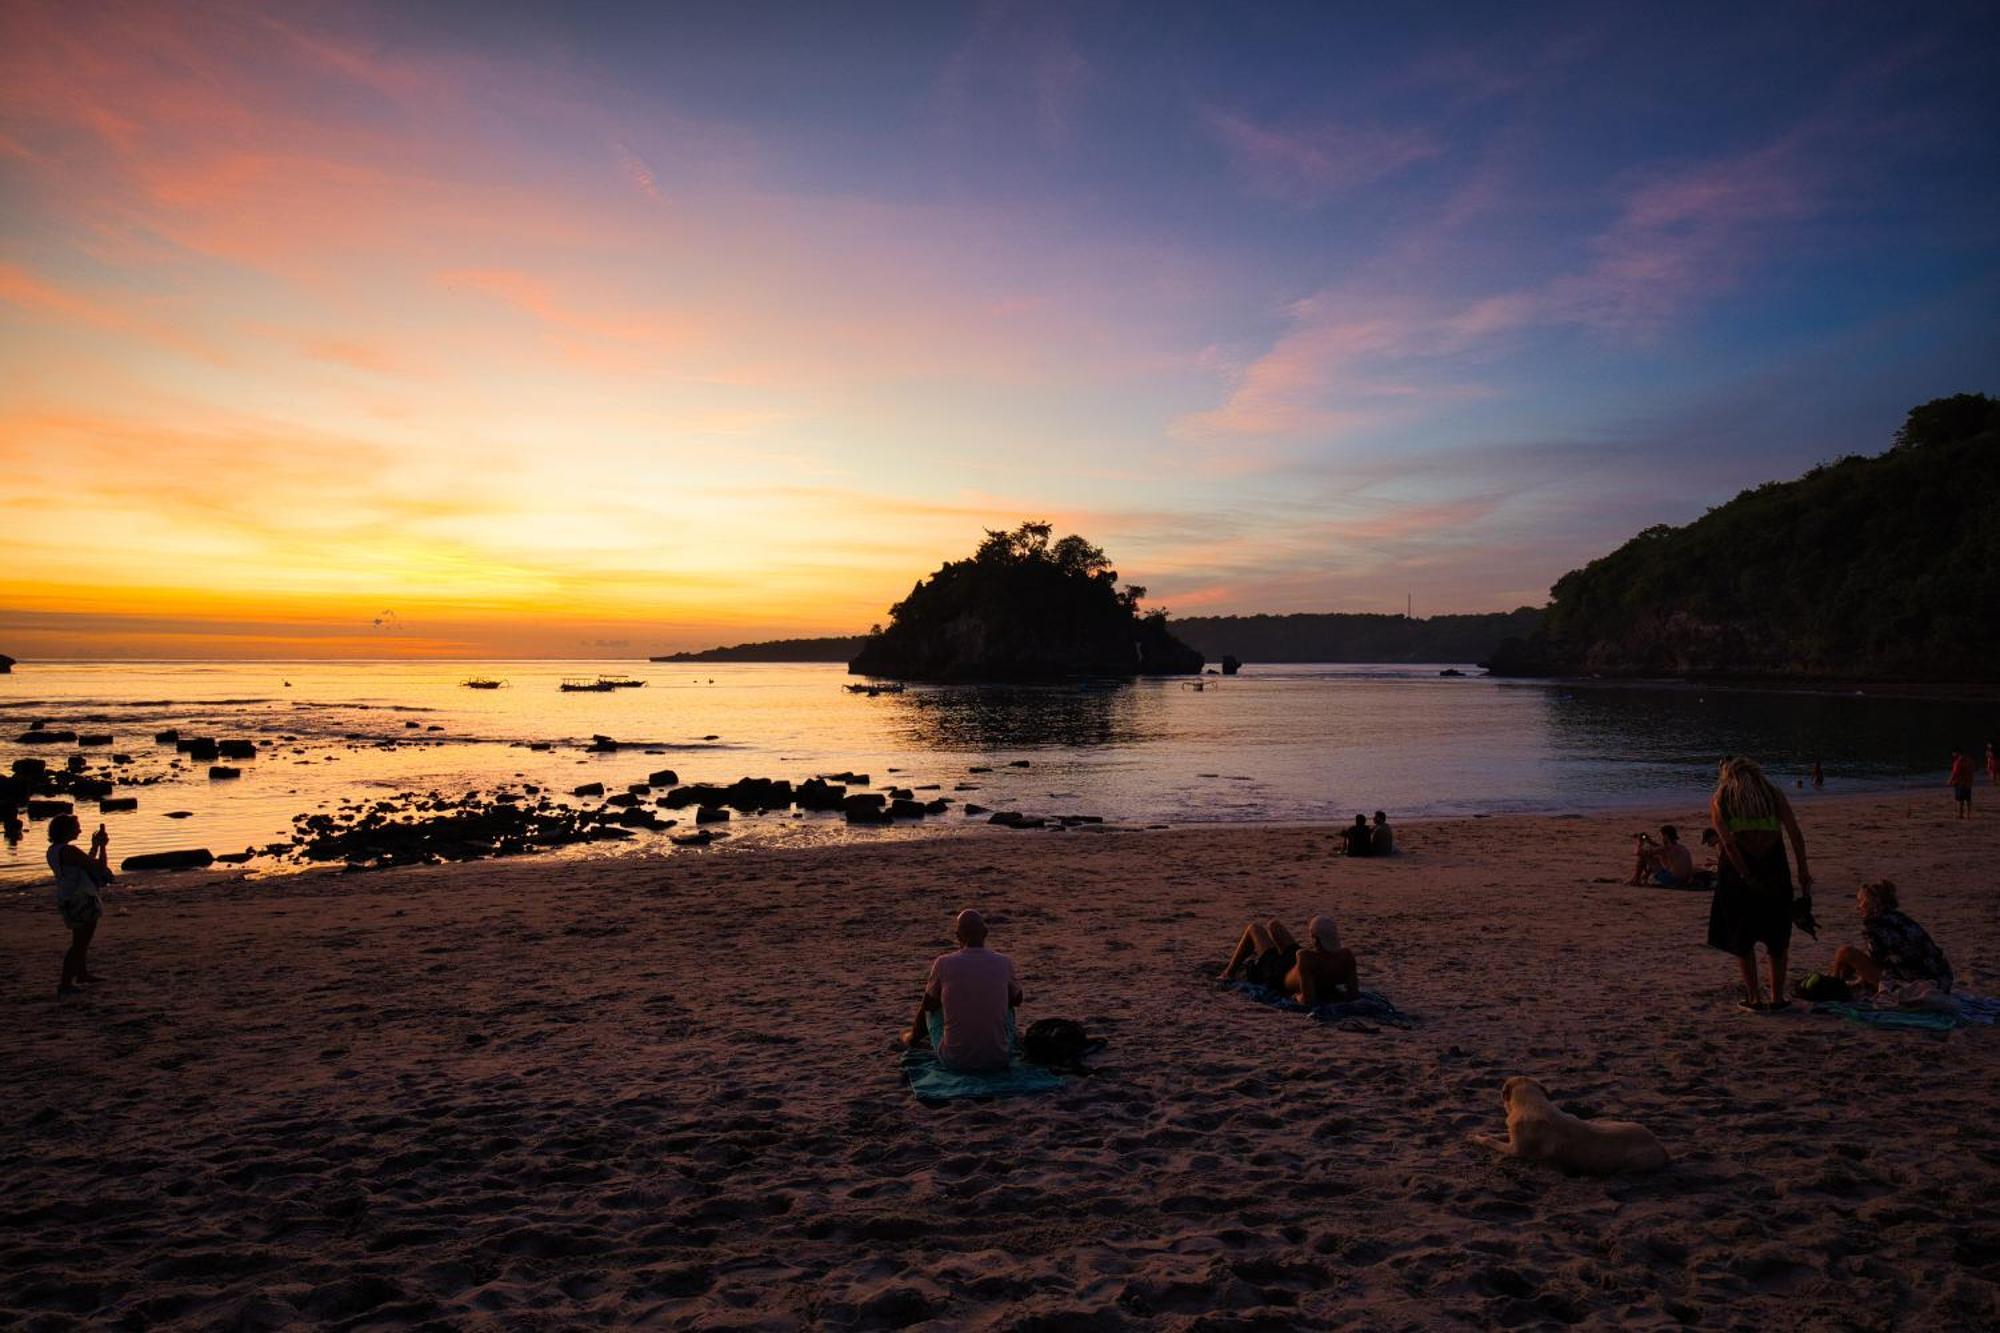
(1057, 1043)
(1818, 987)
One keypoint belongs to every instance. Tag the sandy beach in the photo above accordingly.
(553, 1094)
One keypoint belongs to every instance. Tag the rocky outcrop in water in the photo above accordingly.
(1023, 609)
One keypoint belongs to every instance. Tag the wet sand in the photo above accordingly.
(659, 1091)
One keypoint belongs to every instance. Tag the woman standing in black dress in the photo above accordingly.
(1753, 882)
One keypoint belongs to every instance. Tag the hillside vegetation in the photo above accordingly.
(1023, 608)
(1884, 567)
(1343, 637)
(776, 650)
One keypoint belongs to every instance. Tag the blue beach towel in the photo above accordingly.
(1908, 1020)
(1372, 1006)
(930, 1081)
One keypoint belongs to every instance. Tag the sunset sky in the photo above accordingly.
(614, 329)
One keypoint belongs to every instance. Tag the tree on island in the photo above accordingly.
(1024, 608)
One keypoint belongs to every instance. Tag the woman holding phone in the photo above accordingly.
(80, 878)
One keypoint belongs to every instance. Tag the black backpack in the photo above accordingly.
(1058, 1043)
(1818, 987)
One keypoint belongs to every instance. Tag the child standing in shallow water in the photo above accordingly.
(1960, 782)
(79, 879)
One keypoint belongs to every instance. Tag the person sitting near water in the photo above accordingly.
(1357, 839)
(1898, 948)
(1382, 842)
(1668, 864)
(967, 1012)
(1311, 974)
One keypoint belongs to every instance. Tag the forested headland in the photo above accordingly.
(1866, 568)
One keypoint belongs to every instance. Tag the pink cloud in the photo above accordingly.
(1307, 164)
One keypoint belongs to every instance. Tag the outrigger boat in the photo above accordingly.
(480, 683)
(577, 685)
(620, 682)
(872, 690)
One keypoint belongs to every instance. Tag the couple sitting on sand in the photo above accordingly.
(1357, 839)
(1315, 973)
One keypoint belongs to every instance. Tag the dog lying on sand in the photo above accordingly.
(1539, 1132)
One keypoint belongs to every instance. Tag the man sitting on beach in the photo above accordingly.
(1670, 865)
(1382, 842)
(1358, 839)
(1898, 948)
(967, 1011)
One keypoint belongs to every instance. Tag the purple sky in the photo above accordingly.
(550, 327)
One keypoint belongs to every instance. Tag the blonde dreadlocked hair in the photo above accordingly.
(1744, 792)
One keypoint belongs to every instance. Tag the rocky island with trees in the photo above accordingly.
(1024, 608)
(1866, 568)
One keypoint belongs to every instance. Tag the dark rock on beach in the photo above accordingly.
(192, 859)
(40, 736)
(110, 805)
(469, 829)
(237, 749)
(818, 794)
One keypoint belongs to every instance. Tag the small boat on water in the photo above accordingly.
(1451, 671)
(579, 685)
(620, 682)
(481, 683)
(871, 691)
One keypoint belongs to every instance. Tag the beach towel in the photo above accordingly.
(1979, 1010)
(1909, 1020)
(931, 1081)
(1370, 1007)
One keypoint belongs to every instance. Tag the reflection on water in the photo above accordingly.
(1003, 717)
(1277, 743)
(1681, 726)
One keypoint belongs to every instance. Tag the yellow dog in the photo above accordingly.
(1538, 1132)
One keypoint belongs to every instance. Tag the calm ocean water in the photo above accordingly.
(1282, 743)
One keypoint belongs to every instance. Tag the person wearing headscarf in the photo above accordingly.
(1753, 882)
(1319, 971)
